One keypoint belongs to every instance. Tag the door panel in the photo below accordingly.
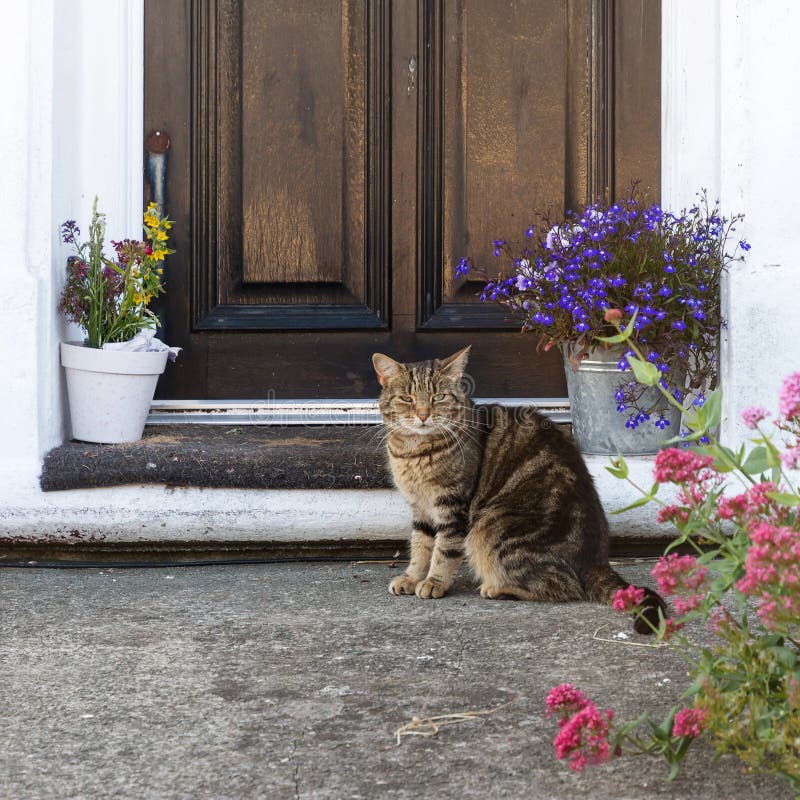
(294, 192)
(332, 160)
(496, 135)
(282, 161)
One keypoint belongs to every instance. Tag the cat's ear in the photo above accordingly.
(386, 368)
(455, 365)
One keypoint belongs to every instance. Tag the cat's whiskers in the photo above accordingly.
(451, 436)
(377, 435)
(374, 434)
(473, 432)
(471, 418)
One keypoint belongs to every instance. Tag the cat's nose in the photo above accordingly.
(423, 414)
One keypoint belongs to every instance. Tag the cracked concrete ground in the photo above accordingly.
(289, 681)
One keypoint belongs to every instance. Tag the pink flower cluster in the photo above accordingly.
(671, 627)
(772, 573)
(682, 578)
(791, 457)
(680, 466)
(722, 622)
(673, 513)
(564, 700)
(789, 398)
(695, 475)
(628, 599)
(690, 722)
(583, 728)
(753, 415)
(755, 502)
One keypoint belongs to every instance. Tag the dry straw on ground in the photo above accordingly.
(613, 640)
(430, 726)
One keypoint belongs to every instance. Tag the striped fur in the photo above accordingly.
(500, 487)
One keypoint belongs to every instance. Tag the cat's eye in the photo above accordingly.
(406, 398)
(437, 398)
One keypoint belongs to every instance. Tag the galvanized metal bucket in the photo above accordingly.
(597, 426)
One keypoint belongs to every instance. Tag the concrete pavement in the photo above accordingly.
(290, 680)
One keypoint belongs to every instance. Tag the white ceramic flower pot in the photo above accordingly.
(109, 391)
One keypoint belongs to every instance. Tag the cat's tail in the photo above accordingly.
(602, 583)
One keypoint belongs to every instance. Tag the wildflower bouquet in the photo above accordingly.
(109, 297)
(741, 579)
(629, 256)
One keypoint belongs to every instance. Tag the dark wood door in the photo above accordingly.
(331, 160)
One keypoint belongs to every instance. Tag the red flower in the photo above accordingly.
(628, 599)
(690, 722)
(676, 574)
(681, 466)
(677, 514)
(671, 627)
(790, 396)
(753, 415)
(565, 699)
(772, 573)
(584, 738)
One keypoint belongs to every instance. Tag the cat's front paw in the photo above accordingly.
(428, 588)
(402, 584)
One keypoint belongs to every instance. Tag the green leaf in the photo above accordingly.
(763, 728)
(664, 730)
(690, 437)
(785, 656)
(686, 743)
(694, 419)
(642, 501)
(620, 337)
(756, 462)
(645, 373)
(712, 409)
(724, 457)
(784, 498)
(618, 468)
(631, 726)
(773, 454)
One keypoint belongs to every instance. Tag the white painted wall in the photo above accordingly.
(730, 121)
(72, 73)
(28, 345)
(761, 174)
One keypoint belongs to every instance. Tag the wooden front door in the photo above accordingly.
(331, 161)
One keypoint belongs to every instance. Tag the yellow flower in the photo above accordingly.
(151, 205)
(167, 224)
(162, 236)
(160, 271)
(158, 255)
(151, 220)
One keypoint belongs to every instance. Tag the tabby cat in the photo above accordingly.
(500, 486)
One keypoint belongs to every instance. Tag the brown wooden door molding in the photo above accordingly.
(275, 271)
(331, 161)
(581, 157)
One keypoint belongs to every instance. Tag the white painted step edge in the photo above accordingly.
(151, 513)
